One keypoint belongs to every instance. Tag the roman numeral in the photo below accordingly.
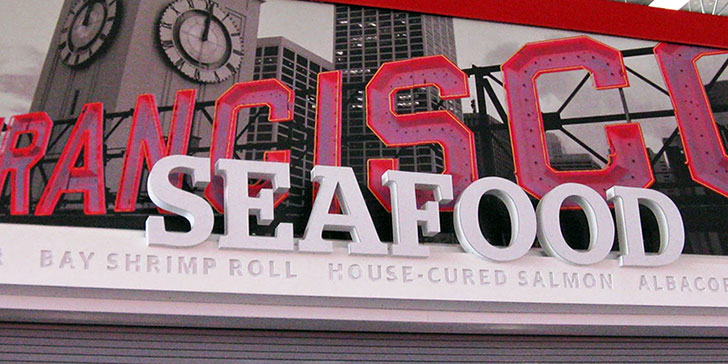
(217, 78)
(165, 25)
(231, 67)
(180, 63)
(166, 44)
(197, 74)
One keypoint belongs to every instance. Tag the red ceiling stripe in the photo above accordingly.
(595, 16)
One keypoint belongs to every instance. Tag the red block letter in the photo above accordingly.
(327, 139)
(628, 161)
(17, 162)
(146, 143)
(272, 93)
(441, 127)
(87, 137)
(704, 149)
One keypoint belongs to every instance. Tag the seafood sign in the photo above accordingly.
(414, 199)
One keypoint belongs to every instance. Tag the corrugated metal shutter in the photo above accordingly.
(32, 343)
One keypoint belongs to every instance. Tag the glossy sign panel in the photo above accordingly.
(404, 86)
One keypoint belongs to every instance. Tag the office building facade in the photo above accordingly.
(298, 68)
(492, 146)
(365, 38)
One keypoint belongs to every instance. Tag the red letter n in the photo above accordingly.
(146, 143)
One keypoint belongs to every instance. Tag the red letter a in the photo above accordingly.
(88, 178)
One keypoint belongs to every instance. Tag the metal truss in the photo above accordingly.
(706, 235)
(484, 78)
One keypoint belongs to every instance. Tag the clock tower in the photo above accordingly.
(111, 51)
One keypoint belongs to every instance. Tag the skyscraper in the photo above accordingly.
(298, 68)
(364, 38)
(492, 145)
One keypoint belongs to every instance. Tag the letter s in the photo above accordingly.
(168, 197)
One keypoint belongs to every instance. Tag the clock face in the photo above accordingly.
(201, 40)
(88, 26)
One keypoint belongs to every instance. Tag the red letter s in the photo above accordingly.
(440, 127)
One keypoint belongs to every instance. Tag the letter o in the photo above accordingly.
(354, 271)
(601, 226)
(520, 210)
(713, 284)
(255, 268)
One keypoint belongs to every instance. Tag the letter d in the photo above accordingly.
(672, 234)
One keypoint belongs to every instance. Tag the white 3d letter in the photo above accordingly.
(354, 219)
(626, 208)
(405, 214)
(601, 226)
(523, 219)
(239, 205)
(166, 196)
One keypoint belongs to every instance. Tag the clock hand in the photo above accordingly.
(89, 7)
(206, 32)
